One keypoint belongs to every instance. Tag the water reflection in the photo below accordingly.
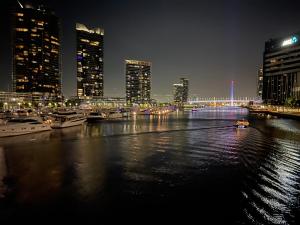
(3, 173)
(274, 192)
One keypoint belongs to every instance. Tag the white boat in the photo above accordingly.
(114, 115)
(95, 116)
(23, 125)
(67, 119)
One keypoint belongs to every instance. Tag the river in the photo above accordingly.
(182, 166)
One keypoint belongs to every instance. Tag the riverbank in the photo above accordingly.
(288, 115)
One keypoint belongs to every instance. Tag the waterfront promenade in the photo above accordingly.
(279, 111)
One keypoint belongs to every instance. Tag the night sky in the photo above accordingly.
(209, 42)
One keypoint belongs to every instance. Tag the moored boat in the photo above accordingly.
(114, 115)
(23, 125)
(96, 116)
(67, 119)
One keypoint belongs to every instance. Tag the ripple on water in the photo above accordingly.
(276, 189)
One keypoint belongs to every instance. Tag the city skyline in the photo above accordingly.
(176, 39)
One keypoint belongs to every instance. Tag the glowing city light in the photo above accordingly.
(289, 41)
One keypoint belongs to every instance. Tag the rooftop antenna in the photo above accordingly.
(20, 4)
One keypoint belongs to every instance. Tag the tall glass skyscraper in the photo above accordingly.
(89, 61)
(281, 69)
(138, 82)
(36, 51)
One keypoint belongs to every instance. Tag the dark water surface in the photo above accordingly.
(184, 166)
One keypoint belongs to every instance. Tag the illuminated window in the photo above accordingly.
(54, 51)
(85, 40)
(22, 29)
(19, 58)
(95, 43)
(54, 42)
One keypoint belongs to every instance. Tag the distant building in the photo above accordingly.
(89, 61)
(102, 102)
(185, 83)
(138, 82)
(260, 83)
(181, 91)
(36, 51)
(11, 100)
(178, 93)
(281, 69)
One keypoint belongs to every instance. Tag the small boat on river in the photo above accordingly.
(242, 124)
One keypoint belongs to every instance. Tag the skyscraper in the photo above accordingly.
(185, 83)
(281, 69)
(260, 83)
(138, 82)
(36, 51)
(181, 91)
(178, 93)
(89, 61)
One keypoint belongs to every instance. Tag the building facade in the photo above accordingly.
(281, 70)
(36, 51)
(259, 83)
(185, 83)
(89, 61)
(14, 100)
(178, 93)
(138, 82)
(181, 91)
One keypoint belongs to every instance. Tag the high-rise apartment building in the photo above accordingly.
(185, 83)
(181, 91)
(138, 82)
(36, 51)
(89, 61)
(178, 93)
(281, 69)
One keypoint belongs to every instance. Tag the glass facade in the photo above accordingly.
(281, 70)
(89, 61)
(36, 51)
(138, 82)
